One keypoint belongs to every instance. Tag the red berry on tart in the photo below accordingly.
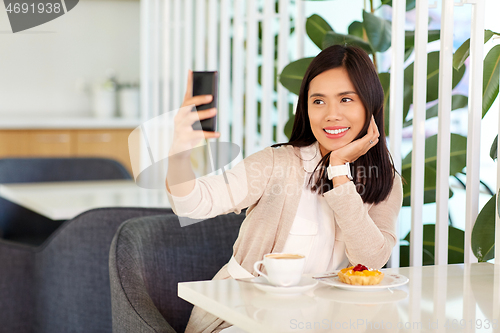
(360, 275)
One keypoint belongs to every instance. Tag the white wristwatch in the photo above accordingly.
(339, 170)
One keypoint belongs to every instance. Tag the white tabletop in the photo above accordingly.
(65, 200)
(448, 298)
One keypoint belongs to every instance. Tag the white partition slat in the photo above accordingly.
(200, 30)
(213, 20)
(283, 60)
(396, 99)
(300, 28)
(443, 149)
(237, 75)
(224, 75)
(418, 153)
(155, 68)
(474, 124)
(188, 44)
(251, 79)
(145, 62)
(266, 123)
(177, 69)
(167, 56)
(497, 217)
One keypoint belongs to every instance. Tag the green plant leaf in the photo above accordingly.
(356, 29)
(432, 36)
(490, 77)
(385, 81)
(483, 232)
(333, 38)
(408, 52)
(458, 157)
(429, 186)
(457, 102)
(404, 256)
(493, 149)
(289, 126)
(432, 80)
(316, 28)
(378, 31)
(458, 153)
(292, 74)
(463, 52)
(456, 239)
(410, 4)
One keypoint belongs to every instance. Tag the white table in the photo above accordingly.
(65, 200)
(448, 298)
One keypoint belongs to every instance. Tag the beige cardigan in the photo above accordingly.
(274, 181)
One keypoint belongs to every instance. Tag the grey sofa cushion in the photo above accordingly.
(149, 256)
(63, 285)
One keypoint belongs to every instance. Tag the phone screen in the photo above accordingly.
(205, 83)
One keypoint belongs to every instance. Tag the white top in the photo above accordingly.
(313, 230)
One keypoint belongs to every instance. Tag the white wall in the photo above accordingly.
(45, 70)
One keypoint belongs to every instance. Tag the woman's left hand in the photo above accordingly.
(352, 151)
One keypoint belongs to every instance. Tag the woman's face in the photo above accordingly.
(335, 110)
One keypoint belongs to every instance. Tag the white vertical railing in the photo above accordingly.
(213, 23)
(443, 149)
(474, 123)
(201, 39)
(396, 99)
(200, 31)
(283, 60)
(237, 133)
(251, 78)
(497, 208)
(145, 62)
(267, 74)
(418, 153)
(224, 75)
(187, 44)
(175, 79)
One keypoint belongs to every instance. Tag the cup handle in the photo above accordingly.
(256, 268)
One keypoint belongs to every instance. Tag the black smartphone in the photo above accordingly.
(205, 83)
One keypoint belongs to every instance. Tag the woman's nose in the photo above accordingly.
(334, 113)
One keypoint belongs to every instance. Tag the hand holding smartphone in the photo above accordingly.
(205, 83)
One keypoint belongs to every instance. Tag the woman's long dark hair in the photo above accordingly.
(373, 188)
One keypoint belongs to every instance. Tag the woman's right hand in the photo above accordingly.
(185, 137)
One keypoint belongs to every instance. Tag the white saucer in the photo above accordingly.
(390, 280)
(305, 284)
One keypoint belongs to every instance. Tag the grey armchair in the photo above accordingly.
(63, 285)
(150, 255)
(22, 225)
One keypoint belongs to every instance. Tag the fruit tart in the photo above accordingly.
(360, 275)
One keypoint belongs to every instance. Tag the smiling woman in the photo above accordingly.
(341, 107)
(300, 195)
(335, 111)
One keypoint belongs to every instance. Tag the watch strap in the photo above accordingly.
(339, 170)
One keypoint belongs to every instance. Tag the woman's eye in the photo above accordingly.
(345, 99)
(318, 101)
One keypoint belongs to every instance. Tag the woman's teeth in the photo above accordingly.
(336, 131)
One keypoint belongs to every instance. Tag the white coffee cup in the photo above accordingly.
(283, 269)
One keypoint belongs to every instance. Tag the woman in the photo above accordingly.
(300, 195)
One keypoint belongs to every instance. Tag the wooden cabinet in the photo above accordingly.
(110, 143)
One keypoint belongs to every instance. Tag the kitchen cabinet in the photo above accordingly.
(109, 143)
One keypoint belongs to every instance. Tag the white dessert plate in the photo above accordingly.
(387, 295)
(390, 280)
(305, 284)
